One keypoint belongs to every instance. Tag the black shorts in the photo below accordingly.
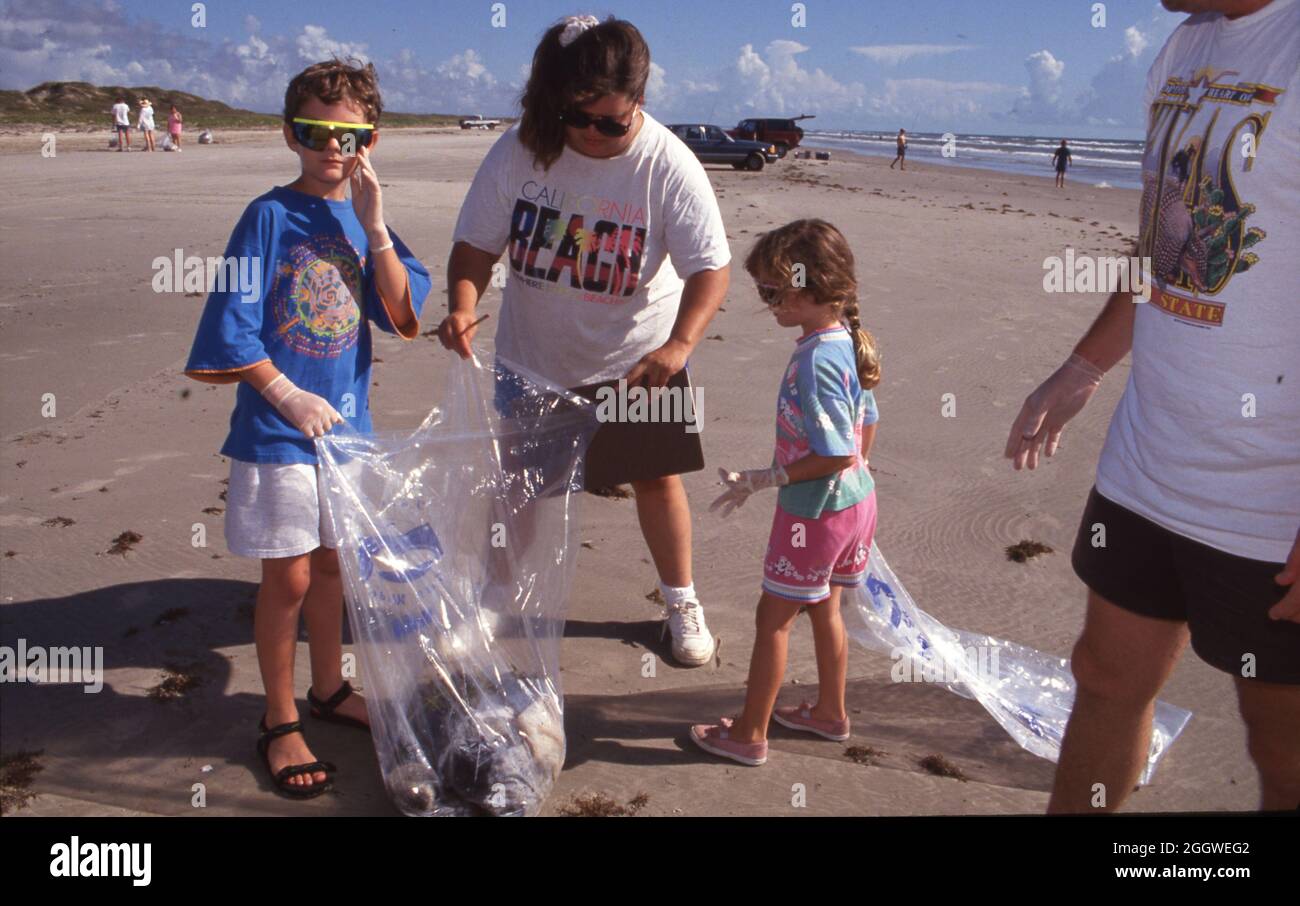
(1224, 599)
(627, 451)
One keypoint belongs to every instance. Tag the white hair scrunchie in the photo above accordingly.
(574, 26)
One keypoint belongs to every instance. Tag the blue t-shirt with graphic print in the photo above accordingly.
(310, 318)
(822, 409)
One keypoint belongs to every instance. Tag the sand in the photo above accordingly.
(951, 266)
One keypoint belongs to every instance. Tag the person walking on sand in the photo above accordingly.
(146, 122)
(826, 506)
(174, 125)
(618, 260)
(1061, 160)
(122, 124)
(1192, 530)
(901, 157)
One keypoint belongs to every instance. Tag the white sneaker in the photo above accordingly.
(692, 643)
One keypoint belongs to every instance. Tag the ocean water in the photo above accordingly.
(1116, 162)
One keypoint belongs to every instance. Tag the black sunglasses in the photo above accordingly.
(769, 293)
(605, 125)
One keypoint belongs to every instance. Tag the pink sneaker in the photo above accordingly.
(801, 718)
(715, 739)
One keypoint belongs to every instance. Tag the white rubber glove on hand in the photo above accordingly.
(741, 484)
(307, 412)
(1043, 416)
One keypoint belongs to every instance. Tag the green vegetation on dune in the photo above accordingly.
(81, 104)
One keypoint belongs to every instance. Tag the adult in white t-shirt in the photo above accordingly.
(1191, 532)
(122, 124)
(617, 260)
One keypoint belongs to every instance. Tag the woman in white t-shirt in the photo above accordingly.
(601, 212)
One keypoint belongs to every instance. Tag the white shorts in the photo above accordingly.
(275, 510)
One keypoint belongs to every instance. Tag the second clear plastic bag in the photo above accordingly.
(453, 546)
(1027, 692)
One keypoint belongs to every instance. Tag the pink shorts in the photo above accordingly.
(805, 557)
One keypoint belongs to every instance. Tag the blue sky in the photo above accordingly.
(1007, 66)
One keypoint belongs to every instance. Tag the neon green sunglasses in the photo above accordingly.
(316, 134)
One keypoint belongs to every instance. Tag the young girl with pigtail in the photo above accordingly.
(826, 503)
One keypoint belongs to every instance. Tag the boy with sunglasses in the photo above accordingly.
(299, 348)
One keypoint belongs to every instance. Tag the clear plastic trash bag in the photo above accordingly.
(454, 550)
(1029, 693)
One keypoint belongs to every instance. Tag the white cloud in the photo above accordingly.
(938, 100)
(1134, 41)
(1041, 100)
(315, 45)
(656, 86)
(893, 54)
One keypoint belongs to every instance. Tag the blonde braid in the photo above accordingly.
(864, 346)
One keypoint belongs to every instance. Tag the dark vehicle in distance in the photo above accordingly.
(713, 146)
(785, 134)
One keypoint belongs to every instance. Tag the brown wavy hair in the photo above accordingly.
(828, 273)
(609, 58)
(333, 81)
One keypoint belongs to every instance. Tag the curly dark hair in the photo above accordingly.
(333, 81)
(609, 58)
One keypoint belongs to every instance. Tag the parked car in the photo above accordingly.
(713, 146)
(783, 133)
(477, 122)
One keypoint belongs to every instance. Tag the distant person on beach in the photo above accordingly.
(1061, 160)
(146, 123)
(122, 124)
(826, 502)
(590, 198)
(174, 125)
(1192, 530)
(900, 157)
(300, 352)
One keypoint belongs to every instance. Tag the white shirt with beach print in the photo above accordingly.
(594, 247)
(1206, 438)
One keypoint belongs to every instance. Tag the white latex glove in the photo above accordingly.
(1043, 416)
(307, 412)
(741, 484)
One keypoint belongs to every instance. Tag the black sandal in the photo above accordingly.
(281, 779)
(324, 710)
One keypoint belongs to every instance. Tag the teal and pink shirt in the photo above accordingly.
(822, 409)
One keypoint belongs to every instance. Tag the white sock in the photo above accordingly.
(674, 595)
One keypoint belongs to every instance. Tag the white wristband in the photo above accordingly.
(381, 248)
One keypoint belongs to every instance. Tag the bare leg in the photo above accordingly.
(832, 647)
(1120, 662)
(766, 666)
(323, 612)
(665, 516)
(275, 631)
(1272, 715)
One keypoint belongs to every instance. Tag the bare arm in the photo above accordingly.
(703, 295)
(868, 438)
(1058, 399)
(468, 271)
